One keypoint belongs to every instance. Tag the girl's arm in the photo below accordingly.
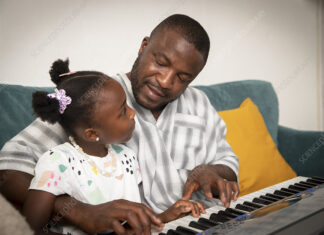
(38, 208)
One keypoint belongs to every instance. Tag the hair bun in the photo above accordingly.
(59, 67)
(46, 108)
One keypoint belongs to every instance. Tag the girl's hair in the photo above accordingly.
(82, 87)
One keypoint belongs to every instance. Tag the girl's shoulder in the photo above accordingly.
(122, 149)
(60, 153)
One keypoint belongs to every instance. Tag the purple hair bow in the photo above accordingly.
(63, 99)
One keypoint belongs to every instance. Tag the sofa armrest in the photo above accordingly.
(303, 150)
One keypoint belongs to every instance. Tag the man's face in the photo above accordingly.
(165, 66)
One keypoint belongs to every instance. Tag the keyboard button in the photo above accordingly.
(244, 208)
(314, 181)
(289, 190)
(233, 211)
(261, 201)
(185, 230)
(307, 183)
(207, 222)
(319, 179)
(269, 198)
(294, 187)
(173, 232)
(218, 218)
(227, 214)
(275, 196)
(282, 193)
(251, 204)
(199, 226)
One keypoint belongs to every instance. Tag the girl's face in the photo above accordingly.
(113, 118)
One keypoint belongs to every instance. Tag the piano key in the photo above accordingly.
(251, 204)
(162, 233)
(289, 190)
(314, 181)
(318, 179)
(282, 193)
(244, 208)
(218, 218)
(300, 185)
(173, 232)
(233, 211)
(232, 216)
(196, 225)
(185, 230)
(296, 188)
(269, 198)
(261, 201)
(307, 183)
(207, 222)
(275, 196)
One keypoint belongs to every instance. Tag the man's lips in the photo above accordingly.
(155, 90)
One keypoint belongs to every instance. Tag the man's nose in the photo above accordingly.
(166, 79)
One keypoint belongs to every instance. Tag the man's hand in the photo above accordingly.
(218, 179)
(93, 219)
(182, 208)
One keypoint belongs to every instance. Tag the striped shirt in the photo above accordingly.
(188, 133)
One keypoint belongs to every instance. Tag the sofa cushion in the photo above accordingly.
(16, 109)
(260, 163)
(231, 94)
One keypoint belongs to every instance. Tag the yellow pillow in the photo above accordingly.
(260, 163)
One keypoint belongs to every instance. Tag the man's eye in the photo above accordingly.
(159, 63)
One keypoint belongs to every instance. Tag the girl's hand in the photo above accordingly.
(182, 208)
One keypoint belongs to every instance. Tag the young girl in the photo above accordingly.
(93, 167)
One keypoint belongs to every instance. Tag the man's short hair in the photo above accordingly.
(189, 28)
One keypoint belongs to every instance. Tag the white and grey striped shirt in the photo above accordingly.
(188, 133)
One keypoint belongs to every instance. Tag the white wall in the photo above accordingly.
(278, 41)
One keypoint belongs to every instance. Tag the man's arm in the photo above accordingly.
(14, 186)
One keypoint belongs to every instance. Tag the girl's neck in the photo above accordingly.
(91, 148)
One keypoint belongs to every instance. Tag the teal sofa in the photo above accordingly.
(303, 150)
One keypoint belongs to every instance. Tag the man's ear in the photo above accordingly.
(143, 45)
(90, 134)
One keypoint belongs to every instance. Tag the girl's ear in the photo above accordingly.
(90, 134)
(143, 45)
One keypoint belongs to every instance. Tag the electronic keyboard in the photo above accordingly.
(293, 206)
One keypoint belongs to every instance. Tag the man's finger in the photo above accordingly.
(206, 187)
(188, 190)
(134, 221)
(222, 191)
(229, 192)
(236, 190)
(117, 227)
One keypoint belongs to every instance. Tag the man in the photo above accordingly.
(179, 137)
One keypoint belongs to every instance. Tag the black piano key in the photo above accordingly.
(296, 188)
(269, 198)
(261, 201)
(227, 214)
(196, 225)
(244, 208)
(289, 190)
(173, 232)
(233, 211)
(275, 196)
(282, 193)
(313, 181)
(320, 179)
(251, 204)
(308, 183)
(218, 218)
(300, 185)
(162, 233)
(207, 222)
(185, 230)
